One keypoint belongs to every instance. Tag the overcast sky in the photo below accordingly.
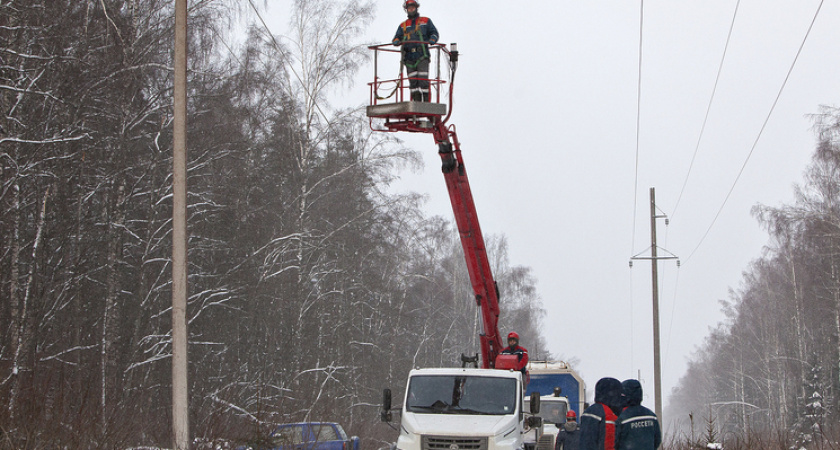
(546, 112)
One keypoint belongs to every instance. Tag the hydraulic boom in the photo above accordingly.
(484, 286)
(422, 117)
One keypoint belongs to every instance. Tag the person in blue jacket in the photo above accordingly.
(415, 35)
(637, 427)
(569, 436)
(597, 423)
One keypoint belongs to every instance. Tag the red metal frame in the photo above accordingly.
(400, 83)
(475, 253)
(460, 195)
(398, 88)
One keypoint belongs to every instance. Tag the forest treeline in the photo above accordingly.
(773, 367)
(312, 286)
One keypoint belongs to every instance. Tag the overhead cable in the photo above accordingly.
(763, 126)
(289, 66)
(638, 123)
(708, 109)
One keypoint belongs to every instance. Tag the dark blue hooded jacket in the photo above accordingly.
(637, 427)
(593, 421)
(569, 437)
(416, 29)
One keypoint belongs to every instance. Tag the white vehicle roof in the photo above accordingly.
(548, 365)
(467, 372)
(553, 398)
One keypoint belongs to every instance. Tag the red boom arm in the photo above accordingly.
(478, 266)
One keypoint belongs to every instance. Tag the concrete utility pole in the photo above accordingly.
(657, 365)
(654, 258)
(180, 406)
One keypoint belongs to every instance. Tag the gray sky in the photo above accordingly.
(546, 110)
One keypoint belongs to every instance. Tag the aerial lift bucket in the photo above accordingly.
(390, 102)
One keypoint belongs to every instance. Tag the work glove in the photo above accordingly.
(397, 43)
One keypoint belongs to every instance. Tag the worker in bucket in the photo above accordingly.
(514, 348)
(569, 436)
(415, 35)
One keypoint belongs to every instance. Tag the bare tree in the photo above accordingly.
(760, 359)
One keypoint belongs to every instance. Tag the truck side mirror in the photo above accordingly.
(534, 422)
(385, 414)
(386, 399)
(535, 402)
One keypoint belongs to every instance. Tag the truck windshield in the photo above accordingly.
(551, 411)
(449, 394)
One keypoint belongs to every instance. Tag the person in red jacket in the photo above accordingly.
(514, 348)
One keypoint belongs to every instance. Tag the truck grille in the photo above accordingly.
(453, 443)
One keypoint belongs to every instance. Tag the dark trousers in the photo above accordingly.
(418, 80)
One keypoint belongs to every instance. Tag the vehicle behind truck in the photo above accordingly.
(553, 410)
(561, 389)
(548, 376)
(463, 409)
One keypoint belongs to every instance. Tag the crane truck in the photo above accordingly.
(455, 408)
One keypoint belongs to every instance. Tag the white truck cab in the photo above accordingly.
(553, 410)
(463, 409)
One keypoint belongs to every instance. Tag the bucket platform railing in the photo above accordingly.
(390, 107)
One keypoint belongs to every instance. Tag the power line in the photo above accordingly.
(289, 66)
(225, 44)
(270, 34)
(763, 126)
(636, 175)
(638, 127)
(708, 108)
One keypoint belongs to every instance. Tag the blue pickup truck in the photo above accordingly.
(309, 436)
